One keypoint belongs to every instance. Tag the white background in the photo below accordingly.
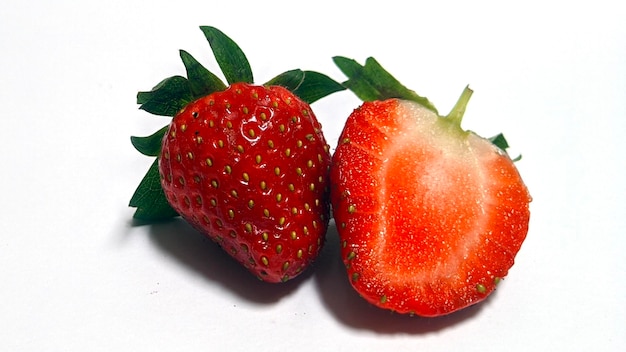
(76, 275)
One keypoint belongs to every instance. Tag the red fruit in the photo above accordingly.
(430, 216)
(248, 167)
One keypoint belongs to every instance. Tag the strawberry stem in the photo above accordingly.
(456, 114)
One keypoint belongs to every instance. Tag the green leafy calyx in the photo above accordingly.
(172, 94)
(149, 198)
(371, 82)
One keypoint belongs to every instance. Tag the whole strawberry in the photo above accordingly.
(247, 165)
(430, 216)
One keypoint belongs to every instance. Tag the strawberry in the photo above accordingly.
(246, 165)
(430, 216)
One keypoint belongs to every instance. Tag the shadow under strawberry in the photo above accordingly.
(198, 254)
(344, 303)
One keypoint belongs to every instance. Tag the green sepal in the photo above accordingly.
(201, 81)
(290, 80)
(372, 82)
(149, 198)
(316, 86)
(149, 145)
(501, 142)
(166, 98)
(229, 56)
(309, 86)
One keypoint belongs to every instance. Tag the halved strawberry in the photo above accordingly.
(247, 165)
(430, 216)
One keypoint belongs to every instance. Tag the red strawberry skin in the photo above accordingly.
(430, 217)
(248, 167)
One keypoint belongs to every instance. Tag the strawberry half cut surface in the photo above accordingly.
(430, 216)
(246, 165)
